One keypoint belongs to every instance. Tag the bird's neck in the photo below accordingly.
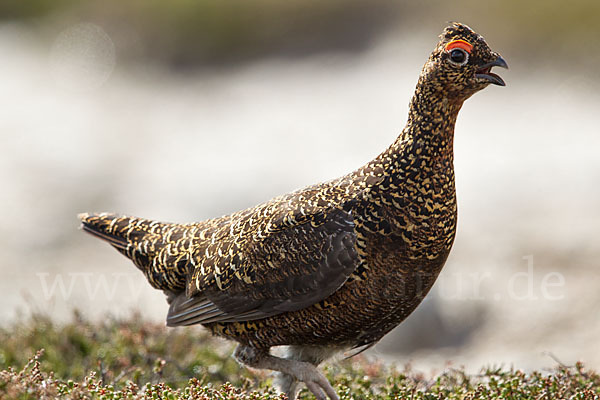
(425, 145)
(429, 130)
(424, 149)
(413, 179)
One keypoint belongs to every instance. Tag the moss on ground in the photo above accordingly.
(136, 359)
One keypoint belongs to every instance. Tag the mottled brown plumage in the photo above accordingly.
(333, 266)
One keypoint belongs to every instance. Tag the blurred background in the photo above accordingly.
(185, 110)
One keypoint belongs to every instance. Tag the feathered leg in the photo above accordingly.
(315, 355)
(293, 371)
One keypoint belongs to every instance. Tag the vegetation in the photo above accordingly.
(134, 359)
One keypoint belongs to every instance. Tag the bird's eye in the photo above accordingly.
(459, 56)
(458, 52)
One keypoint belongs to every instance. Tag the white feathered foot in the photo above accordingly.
(300, 365)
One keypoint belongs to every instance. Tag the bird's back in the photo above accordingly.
(282, 255)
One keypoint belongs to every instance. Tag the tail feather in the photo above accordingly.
(103, 226)
(143, 241)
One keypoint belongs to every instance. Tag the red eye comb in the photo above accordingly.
(461, 44)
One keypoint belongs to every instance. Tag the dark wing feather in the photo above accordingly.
(293, 261)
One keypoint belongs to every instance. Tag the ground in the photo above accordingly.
(136, 359)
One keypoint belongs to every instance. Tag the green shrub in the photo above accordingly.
(136, 359)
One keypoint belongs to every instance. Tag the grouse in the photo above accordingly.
(331, 267)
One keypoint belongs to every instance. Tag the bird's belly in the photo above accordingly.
(393, 285)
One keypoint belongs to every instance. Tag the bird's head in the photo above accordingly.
(461, 63)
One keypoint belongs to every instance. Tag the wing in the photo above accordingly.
(283, 256)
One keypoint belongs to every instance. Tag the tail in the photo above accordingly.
(154, 247)
(108, 227)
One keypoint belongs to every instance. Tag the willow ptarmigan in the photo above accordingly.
(331, 267)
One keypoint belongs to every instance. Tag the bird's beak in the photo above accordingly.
(484, 72)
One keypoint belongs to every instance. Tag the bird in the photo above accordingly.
(332, 267)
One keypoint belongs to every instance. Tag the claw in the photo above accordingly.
(316, 390)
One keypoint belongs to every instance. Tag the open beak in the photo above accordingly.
(484, 72)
